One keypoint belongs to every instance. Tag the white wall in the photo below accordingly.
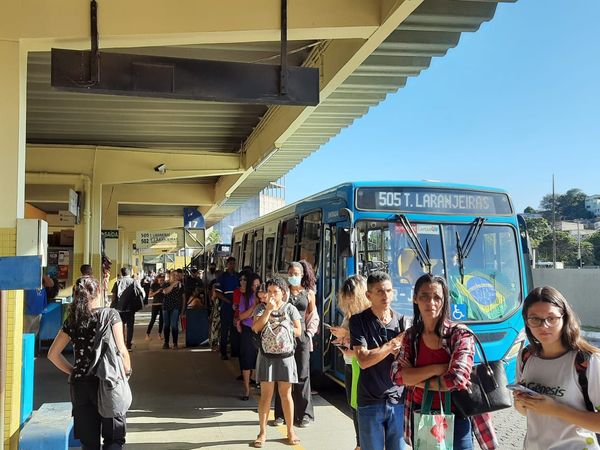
(581, 288)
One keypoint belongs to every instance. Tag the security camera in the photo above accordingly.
(161, 168)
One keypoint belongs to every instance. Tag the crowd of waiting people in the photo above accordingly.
(391, 360)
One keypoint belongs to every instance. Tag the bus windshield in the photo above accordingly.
(488, 290)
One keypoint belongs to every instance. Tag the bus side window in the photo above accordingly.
(287, 243)
(310, 239)
(248, 249)
(258, 251)
(269, 256)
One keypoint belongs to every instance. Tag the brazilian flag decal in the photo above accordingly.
(482, 296)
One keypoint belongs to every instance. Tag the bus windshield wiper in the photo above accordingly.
(422, 255)
(463, 250)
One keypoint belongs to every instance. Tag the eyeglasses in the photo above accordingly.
(551, 321)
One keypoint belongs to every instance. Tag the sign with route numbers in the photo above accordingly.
(161, 240)
(432, 201)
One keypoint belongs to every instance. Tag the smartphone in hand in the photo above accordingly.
(522, 389)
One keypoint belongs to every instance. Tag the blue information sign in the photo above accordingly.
(20, 272)
(192, 218)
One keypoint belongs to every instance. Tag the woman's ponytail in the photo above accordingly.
(84, 292)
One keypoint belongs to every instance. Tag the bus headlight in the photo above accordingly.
(514, 350)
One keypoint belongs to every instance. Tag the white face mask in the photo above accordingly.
(294, 280)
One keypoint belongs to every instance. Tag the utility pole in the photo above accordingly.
(579, 246)
(553, 225)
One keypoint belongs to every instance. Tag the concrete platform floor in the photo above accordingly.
(190, 399)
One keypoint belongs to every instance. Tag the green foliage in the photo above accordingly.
(538, 229)
(594, 240)
(213, 237)
(569, 206)
(530, 210)
(566, 249)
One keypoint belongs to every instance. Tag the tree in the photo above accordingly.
(214, 237)
(573, 205)
(594, 240)
(568, 206)
(529, 210)
(537, 229)
(587, 253)
(566, 247)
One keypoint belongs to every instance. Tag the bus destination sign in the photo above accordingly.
(432, 201)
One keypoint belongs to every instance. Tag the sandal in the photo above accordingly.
(258, 443)
(293, 440)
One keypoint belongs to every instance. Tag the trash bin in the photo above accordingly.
(196, 329)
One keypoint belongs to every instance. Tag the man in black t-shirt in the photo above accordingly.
(376, 334)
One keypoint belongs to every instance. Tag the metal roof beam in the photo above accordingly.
(112, 165)
(338, 60)
(41, 24)
(138, 223)
(183, 194)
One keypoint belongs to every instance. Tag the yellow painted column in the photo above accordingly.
(96, 227)
(78, 253)
(13, 83)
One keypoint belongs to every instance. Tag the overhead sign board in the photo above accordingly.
(161, 240)
(110, 234)
(192, 218)
(20, 272)
(73, 203)
(432, 201)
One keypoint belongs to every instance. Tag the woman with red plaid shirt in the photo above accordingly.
(437, 350)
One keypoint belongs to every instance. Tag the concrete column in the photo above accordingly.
(13, 83)
(96, 226)
(110, 215)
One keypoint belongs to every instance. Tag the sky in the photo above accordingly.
(515, 102)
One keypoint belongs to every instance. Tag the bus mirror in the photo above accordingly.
(346, 242)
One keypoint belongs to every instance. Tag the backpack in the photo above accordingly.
(114, 393)
(581, 364)
(277, 338)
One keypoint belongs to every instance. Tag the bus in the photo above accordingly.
(468, 234)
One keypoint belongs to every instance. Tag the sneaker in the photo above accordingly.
(175, 346)
(304, 422)
(165, 347)
(278, 422)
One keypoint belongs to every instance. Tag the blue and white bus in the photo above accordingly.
(468, 234)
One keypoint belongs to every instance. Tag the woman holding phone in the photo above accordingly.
(352, 299)
(275, 312)
(557, 364)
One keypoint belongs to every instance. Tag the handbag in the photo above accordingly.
(488, 391)
(434, 431)
(114, 393)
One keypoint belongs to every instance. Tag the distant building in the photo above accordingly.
(268, 200)
(563, 225)
(532, 215)
(592, 204)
